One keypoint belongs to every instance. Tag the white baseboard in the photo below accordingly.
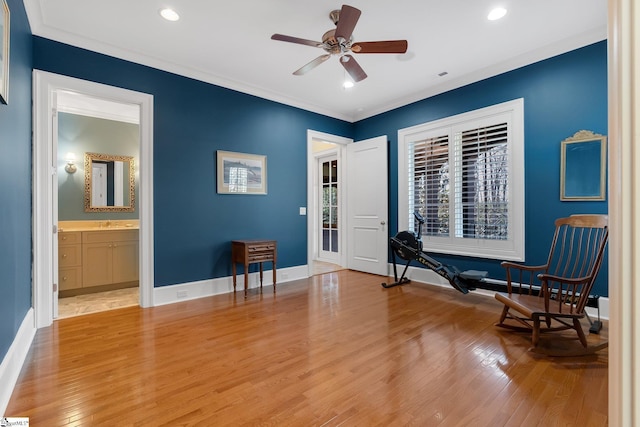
(14, 359)
(205, 288)
(430, 277)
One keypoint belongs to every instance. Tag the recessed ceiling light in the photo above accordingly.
(496, 13)
(169, 14)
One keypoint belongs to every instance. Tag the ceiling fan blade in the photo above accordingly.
(347, 22)
(311, 65)
(353, 68)
(389, 46)
(283, 38)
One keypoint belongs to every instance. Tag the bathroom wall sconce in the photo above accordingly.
(70, 167)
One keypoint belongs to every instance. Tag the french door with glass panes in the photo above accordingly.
(328, 203)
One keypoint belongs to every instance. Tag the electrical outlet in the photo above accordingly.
(182, 294)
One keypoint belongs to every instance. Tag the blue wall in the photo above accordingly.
(562, 95)
(193, 224)
(15, 183)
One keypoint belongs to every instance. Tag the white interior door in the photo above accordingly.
(367, 206)
(98, 184)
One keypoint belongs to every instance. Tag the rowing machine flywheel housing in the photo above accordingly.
(409, 240)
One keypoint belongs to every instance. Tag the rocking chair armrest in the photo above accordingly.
(544, 278)
(563, 295)
(508, 264)
(521, 277)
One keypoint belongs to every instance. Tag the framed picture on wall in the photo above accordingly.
(4, 52)
(240, 173)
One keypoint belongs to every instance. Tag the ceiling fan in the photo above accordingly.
(339, 41)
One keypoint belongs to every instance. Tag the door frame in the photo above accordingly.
(45, 86)
(313, 219)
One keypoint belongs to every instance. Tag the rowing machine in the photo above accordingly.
(408, 246)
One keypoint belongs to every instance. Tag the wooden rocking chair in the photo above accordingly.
(553, 296)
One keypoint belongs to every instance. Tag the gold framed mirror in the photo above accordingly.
(583, 167)
(109, 183)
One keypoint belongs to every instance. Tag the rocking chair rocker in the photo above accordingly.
(552, 297)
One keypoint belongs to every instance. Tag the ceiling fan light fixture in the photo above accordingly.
(348, 84)
(169, 14)
(497, 13)
(339, 42)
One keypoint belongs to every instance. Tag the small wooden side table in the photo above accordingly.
(249, 252)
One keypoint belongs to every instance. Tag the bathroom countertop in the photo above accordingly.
(112, 228)
(70, 226)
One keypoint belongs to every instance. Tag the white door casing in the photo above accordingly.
(45, 86)
(367, 206)
(313, 189)
(54, 207)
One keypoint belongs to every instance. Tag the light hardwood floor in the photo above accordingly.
(335, 349)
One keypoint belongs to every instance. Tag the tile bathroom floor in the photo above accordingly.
(93, 303)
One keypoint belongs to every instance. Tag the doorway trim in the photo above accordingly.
(45, 85)
(313, 220)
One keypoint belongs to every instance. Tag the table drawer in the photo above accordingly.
(260, 248)
(257, 257)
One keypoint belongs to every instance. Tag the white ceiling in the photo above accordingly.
(228, 43)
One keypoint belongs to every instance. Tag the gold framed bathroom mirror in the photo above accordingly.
(109, 183)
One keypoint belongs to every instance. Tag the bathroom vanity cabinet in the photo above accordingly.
(97, 258)
(109, 257)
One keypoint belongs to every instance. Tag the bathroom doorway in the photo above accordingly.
(98, 147)
(47, 87)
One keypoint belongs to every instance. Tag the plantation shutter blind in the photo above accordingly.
(480, 159)
(477, 208)
(465, 175)
(429, 180)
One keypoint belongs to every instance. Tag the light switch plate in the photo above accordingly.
(303, 210)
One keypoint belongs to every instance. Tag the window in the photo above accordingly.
(465, 175)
